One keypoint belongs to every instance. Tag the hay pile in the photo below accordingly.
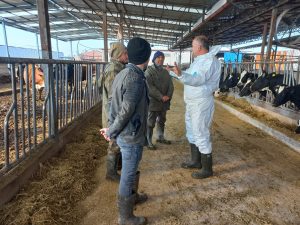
(244, 106)
(54, 191)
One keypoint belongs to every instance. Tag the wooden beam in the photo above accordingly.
(271, 33)
(45, 36)
(104, 28)
(263, 44)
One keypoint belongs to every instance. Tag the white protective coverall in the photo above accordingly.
(200, 81)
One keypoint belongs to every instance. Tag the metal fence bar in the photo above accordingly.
(28, 107)
(16, 132)
(34, 105)
(44, 116)
(59, 107)
(22, 110)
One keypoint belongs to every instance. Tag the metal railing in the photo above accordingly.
(71, 89)
(289, 68)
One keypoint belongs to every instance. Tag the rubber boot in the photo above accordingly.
(111, 167)
(206, 170)
(149, 138)
(126, 216)
(140, 198)
(119, 160)
(195, 159)
(160, 133)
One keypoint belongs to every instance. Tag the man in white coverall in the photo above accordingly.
(200, 81)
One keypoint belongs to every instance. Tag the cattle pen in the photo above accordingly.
(53, 160)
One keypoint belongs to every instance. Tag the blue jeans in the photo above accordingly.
(131, 157)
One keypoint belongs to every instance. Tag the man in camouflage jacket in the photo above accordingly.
(119, 58)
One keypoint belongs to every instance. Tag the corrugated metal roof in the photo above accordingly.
(160, 22)
(236, 21)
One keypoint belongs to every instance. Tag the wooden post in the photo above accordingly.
(271, 33)
(104, 28)
(263, 44)
(121, 28)
(180, 57)
(5, 37)
(45, 36)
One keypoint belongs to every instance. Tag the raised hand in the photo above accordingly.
(176, 69)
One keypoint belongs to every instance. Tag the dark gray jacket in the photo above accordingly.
(160, 84)
(129, 106)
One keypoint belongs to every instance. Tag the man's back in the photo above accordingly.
(129, 106)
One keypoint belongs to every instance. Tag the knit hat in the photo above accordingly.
(116, 50)
(157, 54)
(139, 50)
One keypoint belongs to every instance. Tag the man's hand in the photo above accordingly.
(103, 132)
(165, 98)
(175, 69)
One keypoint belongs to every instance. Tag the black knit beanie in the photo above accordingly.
(139, 50)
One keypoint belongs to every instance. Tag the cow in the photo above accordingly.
(288, 94)
(271, 81)
(39, 77)
(291, 94)
(246, 83)
(230, 81)
(246, 80)
(70, 76)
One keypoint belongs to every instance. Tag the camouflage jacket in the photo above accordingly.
(110, 72)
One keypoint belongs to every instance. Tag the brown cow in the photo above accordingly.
(39, 78)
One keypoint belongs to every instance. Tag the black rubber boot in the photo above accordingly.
(149, 138)
(161, 137)
(206, 170)
(126, 216)
(195, 159)
(140, 197)
(111, 168)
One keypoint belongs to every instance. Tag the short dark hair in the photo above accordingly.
(203, 41)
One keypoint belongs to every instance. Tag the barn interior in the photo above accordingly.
(52, 159)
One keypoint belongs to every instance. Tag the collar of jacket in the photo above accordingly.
(135, 69)
(117, 61)
(199, 57)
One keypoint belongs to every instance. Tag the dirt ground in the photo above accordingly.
(256, 180)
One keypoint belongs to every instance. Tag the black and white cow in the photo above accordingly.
(245, 84)
(230, 81)
(271, 81)
(288, 94)
(291, 94)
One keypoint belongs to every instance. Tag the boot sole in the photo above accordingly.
(191, 167)
(197, 176)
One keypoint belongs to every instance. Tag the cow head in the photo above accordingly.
(39, 71)
(260, 83)
(245, 91)
(283, 97)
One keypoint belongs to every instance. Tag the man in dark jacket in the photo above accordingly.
(127, 124)
(119, 57)
(160, 92)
